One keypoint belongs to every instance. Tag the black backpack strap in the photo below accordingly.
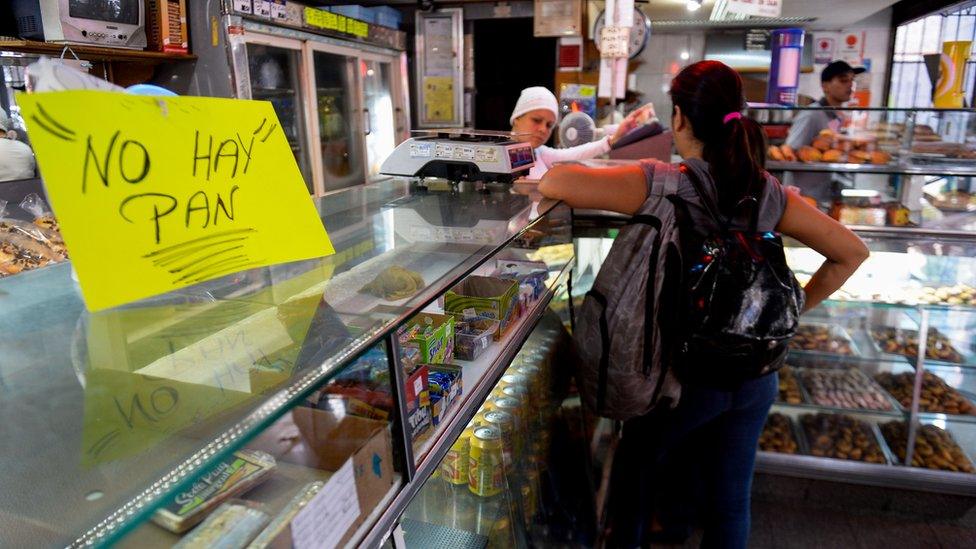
(706, 198)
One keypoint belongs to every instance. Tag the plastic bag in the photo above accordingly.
(19, 253)
(45, 221)
(42, 238)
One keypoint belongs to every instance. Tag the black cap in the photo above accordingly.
(838, 68)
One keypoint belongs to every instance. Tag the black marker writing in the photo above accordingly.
(131, 153)
(198, 206)
(231, 149)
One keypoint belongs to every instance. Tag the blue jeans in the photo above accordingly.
(716, 430)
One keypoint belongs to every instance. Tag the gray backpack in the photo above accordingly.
(624, 330)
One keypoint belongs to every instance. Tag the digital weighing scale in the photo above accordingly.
(461, 155)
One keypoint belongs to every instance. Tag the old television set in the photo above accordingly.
(112, 23)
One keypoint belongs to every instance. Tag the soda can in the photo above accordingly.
(502, 534)
(505, 423)
(486, 473)
(514, 407)
(512, 379)
(454, 467)
(533, 483)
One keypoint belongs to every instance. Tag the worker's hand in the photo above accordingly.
(637, 117)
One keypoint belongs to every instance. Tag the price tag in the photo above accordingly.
(157, 193)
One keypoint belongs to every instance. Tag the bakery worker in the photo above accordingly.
(16, 157)
(535, 116)
(837, 81)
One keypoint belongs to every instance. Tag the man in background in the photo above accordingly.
(837, 82)
(16, 157)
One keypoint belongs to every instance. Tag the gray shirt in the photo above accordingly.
(772, 201)
(806, 125)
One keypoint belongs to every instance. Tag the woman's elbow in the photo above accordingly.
(859, 254)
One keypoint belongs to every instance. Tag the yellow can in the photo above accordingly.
(514, 407)
(505, 423)
(454, 468)
(486, 472)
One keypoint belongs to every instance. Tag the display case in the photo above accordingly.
(274, 405)
(874, 167)
(861, 400)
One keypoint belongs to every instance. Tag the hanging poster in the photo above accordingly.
(823, 50)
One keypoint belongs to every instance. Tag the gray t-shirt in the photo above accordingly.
(772, 202)
(806, 125)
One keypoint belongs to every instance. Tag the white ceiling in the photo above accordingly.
(830, 14)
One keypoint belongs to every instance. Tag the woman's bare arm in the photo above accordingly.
(620, 189)
(843, 249)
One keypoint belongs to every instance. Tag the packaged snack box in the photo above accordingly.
(487, 297)
(432, 336)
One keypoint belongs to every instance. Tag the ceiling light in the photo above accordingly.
(693, 5)
(685, 56)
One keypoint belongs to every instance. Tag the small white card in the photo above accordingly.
(325, 520)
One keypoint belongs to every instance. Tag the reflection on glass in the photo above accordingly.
(335, 82)
(274, 78)
(499, 485)
(378, 95)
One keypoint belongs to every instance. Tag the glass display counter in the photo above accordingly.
(284, 403)
(876, 167)
(865, 398)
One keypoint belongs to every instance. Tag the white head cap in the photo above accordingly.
(536, 97)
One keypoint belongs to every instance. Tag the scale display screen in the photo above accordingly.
(521, 156)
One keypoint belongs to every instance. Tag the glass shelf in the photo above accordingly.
(94, 427)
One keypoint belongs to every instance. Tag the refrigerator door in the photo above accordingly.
(378, 113)
(274, 77)
(339, 118)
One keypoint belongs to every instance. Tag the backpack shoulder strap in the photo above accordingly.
(706, 199)
(662, 178)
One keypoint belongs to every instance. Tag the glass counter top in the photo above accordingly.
(104, 415)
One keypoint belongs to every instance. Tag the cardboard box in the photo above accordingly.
(435, 346)
(487, 297)
(451, 392)
(333, 440)
(417, 393)
(166, 26)
(532, 273)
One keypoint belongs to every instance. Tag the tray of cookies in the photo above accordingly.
(823, 338)
(935, 448)
(845, 388)
(904, 342)
(789, 387)
(936, 397)
(780, 435)
(841, 436)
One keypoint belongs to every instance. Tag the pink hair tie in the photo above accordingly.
(731, 116)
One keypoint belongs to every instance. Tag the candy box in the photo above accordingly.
(472, 337)
(446, 387)
(532, 273)
(432, 336)
(417, 392)
(487, 297)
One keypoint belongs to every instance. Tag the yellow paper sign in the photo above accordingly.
(158, 193)
(439, 98)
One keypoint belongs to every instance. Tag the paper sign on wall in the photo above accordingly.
(759, 8)
(823, 51)
(158, 193)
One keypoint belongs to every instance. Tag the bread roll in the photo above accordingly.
(774, 153)
(833, 155)
(822, 144)
(880, 157)
(809, 154)
(788, 153)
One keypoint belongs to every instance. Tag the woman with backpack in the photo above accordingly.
(724, 412)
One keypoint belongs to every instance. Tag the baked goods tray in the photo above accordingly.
(866, 380)
(945, 354)
(796, 415)
(942, 451)
(801, 449)
(820, 338)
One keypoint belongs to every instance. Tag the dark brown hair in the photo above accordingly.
(707, 92)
